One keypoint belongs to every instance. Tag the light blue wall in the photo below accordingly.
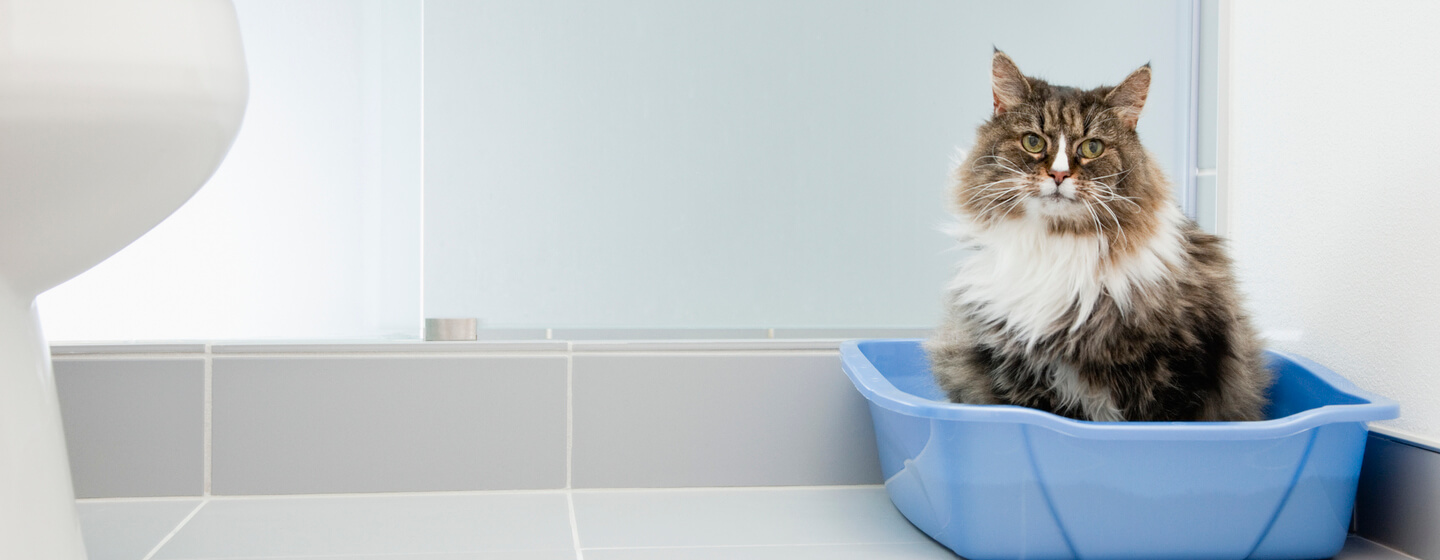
(724, 164)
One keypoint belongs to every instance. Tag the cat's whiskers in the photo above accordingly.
(1121, 172)
(1099, 229)
(1012, 167)
(1001, 200)
(991, 188)
(998, 194)
(998, 181)
(1110, 195)
(1005, 167)
(1013, 205)
(1118, 228)
(993, 192)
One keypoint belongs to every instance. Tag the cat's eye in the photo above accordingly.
(1091, 148)
(1033, 143)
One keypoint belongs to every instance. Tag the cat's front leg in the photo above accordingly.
(955, 363)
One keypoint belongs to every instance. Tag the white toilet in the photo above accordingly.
(112, 114)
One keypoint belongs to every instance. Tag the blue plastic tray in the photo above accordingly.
(1009, 482)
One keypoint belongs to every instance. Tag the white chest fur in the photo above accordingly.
(1029, 279)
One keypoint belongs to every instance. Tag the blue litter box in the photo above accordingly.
(1009, 482)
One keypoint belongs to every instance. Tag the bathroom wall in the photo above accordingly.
(641, 167)
(1334, 218)
(735, 164)
(311, 226)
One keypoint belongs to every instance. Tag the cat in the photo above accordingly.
(1086, 292)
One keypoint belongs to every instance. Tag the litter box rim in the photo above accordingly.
(877, 389)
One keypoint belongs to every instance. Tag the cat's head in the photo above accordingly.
(1062, 158)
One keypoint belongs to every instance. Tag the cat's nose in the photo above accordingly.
(1059, 175)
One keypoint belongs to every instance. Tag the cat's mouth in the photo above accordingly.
(1056, 205)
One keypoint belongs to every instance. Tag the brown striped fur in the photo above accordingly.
(1160, 334)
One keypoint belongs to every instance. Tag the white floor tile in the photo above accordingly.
(909, 551)
(689, 518)
(128, 530)
(375, 526)
(722, 524)
(1357, 548)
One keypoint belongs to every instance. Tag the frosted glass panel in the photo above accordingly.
(311, 226)
(734, 164)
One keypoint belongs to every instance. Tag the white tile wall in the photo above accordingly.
(310, 424)
(718, 419)
(302, 418)
(134, 426)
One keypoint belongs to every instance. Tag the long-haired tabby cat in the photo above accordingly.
(1086, 292)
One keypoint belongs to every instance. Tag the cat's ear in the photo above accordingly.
(1129, 96)
(1007, 83)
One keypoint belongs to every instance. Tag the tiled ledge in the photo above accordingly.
(521, 340)
(82, 348)
(198, 419)
(326, 417)
(66, 350)
(407, 347)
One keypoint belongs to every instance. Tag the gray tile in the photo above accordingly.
(681, 420)
(134, 427)
(906, 551)
(128, 530)
(302, 425)
(458, 525)
(80, 348)
(1397, 503)
(730, 517)
(656, 334)
(740, 345)
(1357, 548)
(412, 346)
(852, 333)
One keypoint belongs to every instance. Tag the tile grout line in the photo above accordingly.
(209, 416)
(175, 531)
(574, 526)
(570, 446)
(569, 419)
(1397, 551)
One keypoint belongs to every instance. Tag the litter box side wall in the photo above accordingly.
(1315, 518)
(1285, 497)
(969, 485)
(1000, 482)
(994, 490)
